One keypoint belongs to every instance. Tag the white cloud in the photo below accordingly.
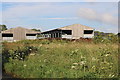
(33, 14)
(37, 12)
(91, 14)
(90, 0)
(62, 18)
(21, 15)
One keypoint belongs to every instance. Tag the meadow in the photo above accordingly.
(60, 59)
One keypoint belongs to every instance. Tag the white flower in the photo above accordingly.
(32, 54)
(75, 63)
(93, 66)
(107, 55)
(40, 45)
(111, 75)
(45, 60)
(82, 62)
(93, 59)
(25, 65)
(82, 57)
(73, 67)
(102, 40)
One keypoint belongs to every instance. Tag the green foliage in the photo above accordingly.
(36, 30)
(20, 53)
(101, 37)
(3, 27)
(62, 59)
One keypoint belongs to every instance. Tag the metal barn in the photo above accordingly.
(19, 33)
(75, 31)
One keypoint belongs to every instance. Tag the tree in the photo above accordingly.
(36, 30)
(3, 27)
(118, 34)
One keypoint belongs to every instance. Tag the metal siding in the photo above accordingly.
(77, 30)
(31, 37)
(7, 38)
(19, 34)
(67, 36)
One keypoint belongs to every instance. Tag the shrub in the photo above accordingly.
(20, 53)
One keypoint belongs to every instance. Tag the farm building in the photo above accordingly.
(18, 33)
(75, 31)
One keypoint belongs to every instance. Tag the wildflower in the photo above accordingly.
(111, 63)
(111, 75)
(45, 60)
(32, 54)
(76, 50)
(22, 52)
(102, 40)
(107, 55)
(73, 67)
(72, 51)
(93, 59)
(93, 67)
(40, 45)
(25, 65)
(82, 62)
(75, 63)
(103, 68)
(82, 57)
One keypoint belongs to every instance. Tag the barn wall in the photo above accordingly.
(19, 34)
(78, 31)
(67, 36)
(7, 38)
(31, 37)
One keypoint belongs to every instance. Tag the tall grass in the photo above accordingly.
(64, 59)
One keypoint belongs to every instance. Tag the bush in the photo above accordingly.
(20, 53)
(106, 39)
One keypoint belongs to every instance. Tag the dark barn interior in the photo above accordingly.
(7, 35)
(88, 31)
(56, 33)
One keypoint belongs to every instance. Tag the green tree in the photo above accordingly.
(105, 37)
(3, 27)
(36, 30)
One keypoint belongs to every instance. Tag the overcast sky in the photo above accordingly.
(102, 16)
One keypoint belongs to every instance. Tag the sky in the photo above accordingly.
(44, 15)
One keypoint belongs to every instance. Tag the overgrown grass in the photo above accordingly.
(64, 59)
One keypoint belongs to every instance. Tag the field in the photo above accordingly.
(60, 59)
